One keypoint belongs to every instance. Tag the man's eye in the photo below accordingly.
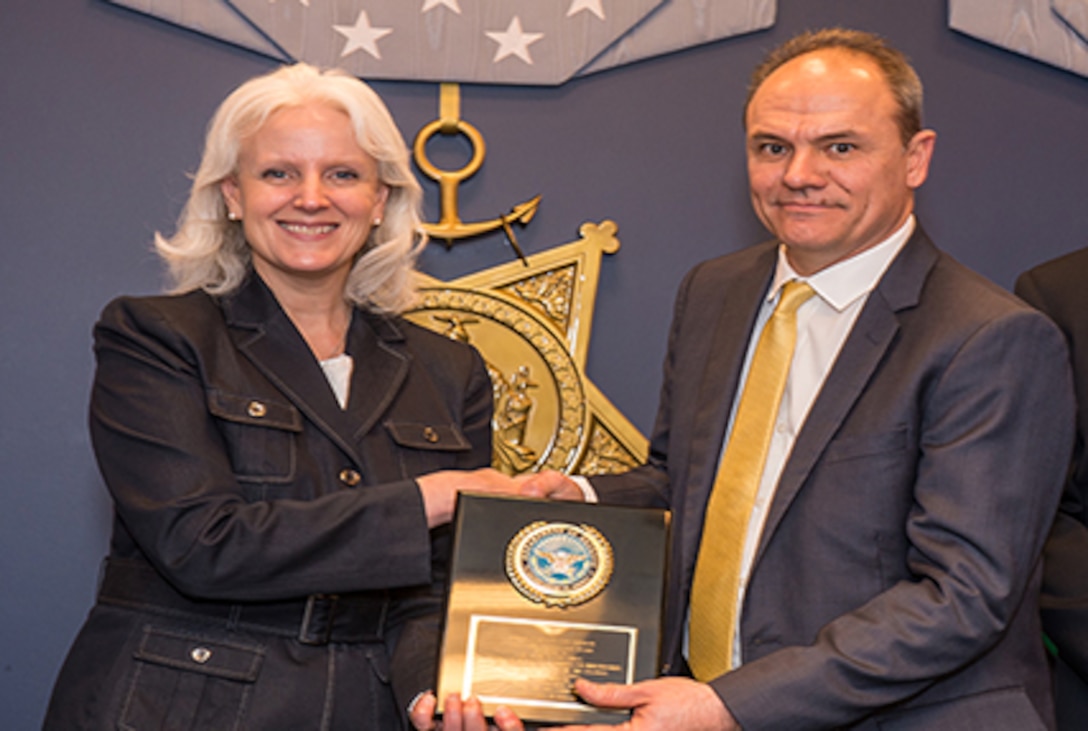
(841, 148)
(773, 148)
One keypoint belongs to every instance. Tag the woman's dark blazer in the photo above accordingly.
(269, 547)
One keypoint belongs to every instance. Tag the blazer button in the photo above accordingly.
(200, 655)
(350, 477)
(430, 434)
(256, 409)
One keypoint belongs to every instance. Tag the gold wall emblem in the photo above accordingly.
(531, 322)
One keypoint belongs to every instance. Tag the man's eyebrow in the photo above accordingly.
(846, 134)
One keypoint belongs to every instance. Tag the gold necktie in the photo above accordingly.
(717, 569)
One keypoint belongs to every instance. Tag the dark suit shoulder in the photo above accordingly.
(1058, 287)
(970, 293)
(1066, 272)
(710, 279)
(935, 299)
(735, 263)
(193, 316)
(194, 306)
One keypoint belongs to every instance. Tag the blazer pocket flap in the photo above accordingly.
(254, 410)
(437, 437)
(201, 654)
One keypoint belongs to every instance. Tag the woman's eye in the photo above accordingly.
(274, 174)
(345, 175)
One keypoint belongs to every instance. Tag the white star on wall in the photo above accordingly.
(514, 42)
(432, 4)
(593, 6)
(362, 35)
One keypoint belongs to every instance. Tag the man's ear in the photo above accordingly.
(919, 154)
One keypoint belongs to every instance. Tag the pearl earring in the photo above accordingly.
(377, 222)
(232, 215)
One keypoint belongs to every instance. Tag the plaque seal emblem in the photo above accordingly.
(559, 564)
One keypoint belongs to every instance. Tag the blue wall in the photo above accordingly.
(102, 112)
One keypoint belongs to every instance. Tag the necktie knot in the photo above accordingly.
(794, 294)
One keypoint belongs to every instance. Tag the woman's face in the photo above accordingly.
(307, 195)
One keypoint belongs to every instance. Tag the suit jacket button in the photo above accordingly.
(200, 655)
(256, 409)
(430, 434)
(350, 477)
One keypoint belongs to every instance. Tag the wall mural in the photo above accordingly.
(1052, 31)
(478, 41)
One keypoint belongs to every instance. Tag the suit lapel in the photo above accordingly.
(865, 347)
(263, 332)
(742, 296)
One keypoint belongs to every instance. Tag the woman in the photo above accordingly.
(282, 450)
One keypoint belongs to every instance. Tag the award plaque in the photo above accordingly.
(544, 592)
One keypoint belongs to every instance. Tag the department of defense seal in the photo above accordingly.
(559, 564)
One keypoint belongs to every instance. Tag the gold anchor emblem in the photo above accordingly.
(450, 227)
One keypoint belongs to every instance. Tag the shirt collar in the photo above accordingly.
(841, 284)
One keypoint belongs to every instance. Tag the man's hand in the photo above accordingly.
(662, 704)
(549, 484)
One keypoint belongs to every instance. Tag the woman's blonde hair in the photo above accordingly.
(209, 251)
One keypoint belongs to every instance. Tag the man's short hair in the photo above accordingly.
(902, 79)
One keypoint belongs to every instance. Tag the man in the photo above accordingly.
(885, 567)
(1057, 288)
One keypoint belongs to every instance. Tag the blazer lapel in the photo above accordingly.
(381, 368)
(738, 310)
(263, 332)
(900, 288)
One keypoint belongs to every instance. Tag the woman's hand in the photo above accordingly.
(459, 715)
(440, 489)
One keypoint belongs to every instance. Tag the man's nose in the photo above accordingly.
(804, 170)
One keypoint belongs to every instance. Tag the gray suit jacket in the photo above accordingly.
(895, 582)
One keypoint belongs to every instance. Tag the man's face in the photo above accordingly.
(828, 172)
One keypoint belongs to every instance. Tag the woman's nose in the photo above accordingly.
(311, 193)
